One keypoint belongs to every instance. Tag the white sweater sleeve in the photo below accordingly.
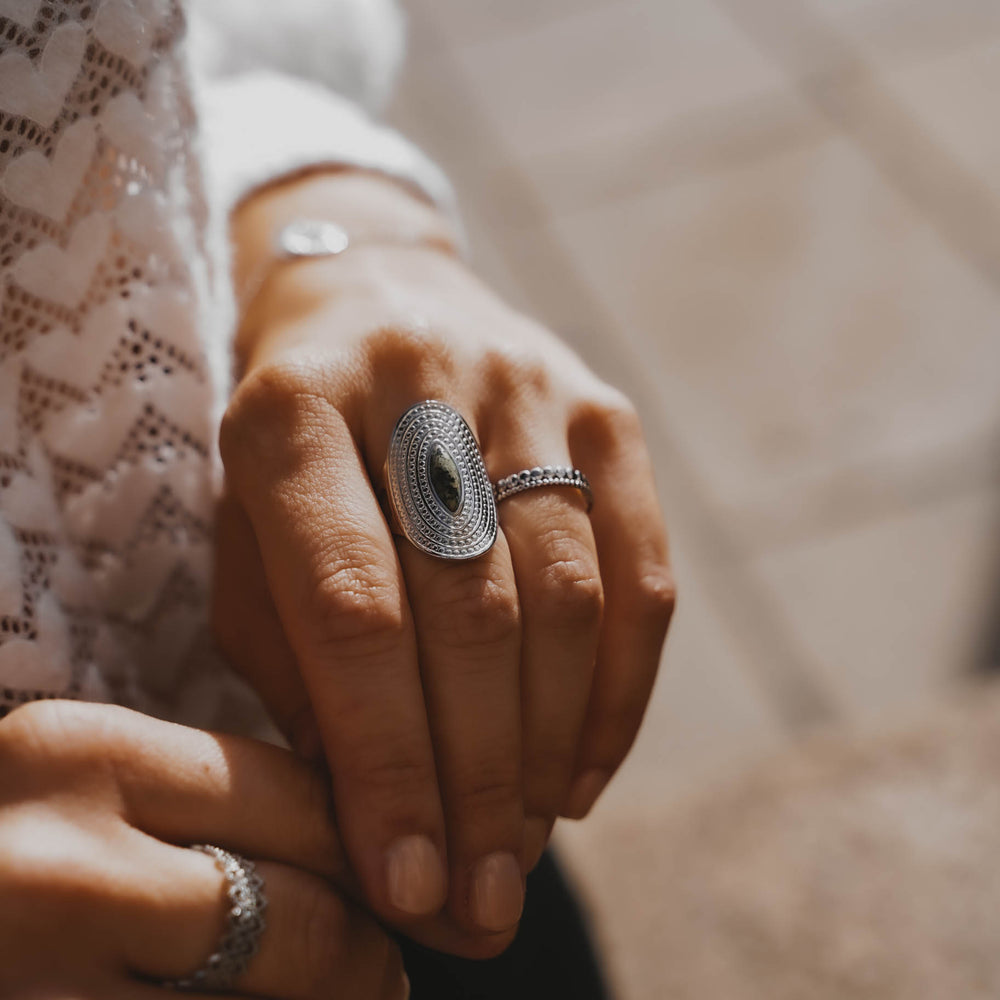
(290, 86)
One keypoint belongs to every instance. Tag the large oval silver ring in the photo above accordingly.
(440, 497)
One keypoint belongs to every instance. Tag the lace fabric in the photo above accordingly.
(106, 396)
(115, 310)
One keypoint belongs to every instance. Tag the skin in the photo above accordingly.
(101, 896)
(460, 707)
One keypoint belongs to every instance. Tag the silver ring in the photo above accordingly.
(440, 497)
(244, 925)
(548, 475)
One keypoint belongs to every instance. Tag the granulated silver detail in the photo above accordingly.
(539, 476)
(244, 925)
(439, 492)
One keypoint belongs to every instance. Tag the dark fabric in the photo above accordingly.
(551, 958)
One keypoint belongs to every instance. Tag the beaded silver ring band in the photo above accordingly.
(548, 475)
(244, 925)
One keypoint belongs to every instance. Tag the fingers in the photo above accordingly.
(332, 569)
(559, 583)
(184, 785)
(467, 619)
(607, 443)
(248, 630)
(314, 942)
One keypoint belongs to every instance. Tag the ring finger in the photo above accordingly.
(559, 583)
(314, 940)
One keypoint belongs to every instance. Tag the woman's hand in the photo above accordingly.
(101, 898)
(462, 707)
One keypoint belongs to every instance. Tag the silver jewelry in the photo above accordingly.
(440, 496)
(244, 925)
(305, 238)
(311, 238)
(548, 475)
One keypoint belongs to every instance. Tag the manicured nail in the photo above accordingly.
(406, 987)
(497, 895)
(585, 791)
(415, 876)
(536, 836)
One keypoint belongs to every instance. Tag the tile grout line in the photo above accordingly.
(796, 694)
(942, 478)
(960, 207)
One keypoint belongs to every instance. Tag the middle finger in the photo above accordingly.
(559, 583)
(467, 620)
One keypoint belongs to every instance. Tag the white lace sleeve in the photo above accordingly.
(293, 85)
(106, 399)
(113, 323)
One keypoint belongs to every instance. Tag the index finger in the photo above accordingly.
(183, 785)
(333, 571)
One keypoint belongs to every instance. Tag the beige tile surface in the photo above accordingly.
(669, 150)
(605, 74)
(707, 713)
(892, 612)
(460, 22)
(801, 318)
(953, 97)
(772, 223)
(891, 32)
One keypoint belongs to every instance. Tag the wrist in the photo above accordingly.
(373, 210)
(334, 300)
(369, 207)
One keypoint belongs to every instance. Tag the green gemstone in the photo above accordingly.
(445, 480)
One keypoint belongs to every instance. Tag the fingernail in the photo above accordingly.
(536, 836)
(585, 791)
(406, 987)
(497, 895)
(415, 876)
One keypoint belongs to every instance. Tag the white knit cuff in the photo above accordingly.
(261, 126)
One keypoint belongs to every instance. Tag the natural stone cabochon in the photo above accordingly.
(440, 494)
(445, 478)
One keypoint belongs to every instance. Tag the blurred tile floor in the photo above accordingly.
(776, 225)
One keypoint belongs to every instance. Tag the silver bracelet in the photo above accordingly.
(302, 239)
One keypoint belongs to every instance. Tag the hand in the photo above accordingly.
(100, 896)
(461, 706)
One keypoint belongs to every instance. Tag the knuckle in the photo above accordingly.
(269, 402)
(47, 730)
(513, 373)
(355, 608)
(392, 776)
(475, 610)
(417, 356)
(490, 791)
(655, 596)
(570, 593)
(606, 418)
